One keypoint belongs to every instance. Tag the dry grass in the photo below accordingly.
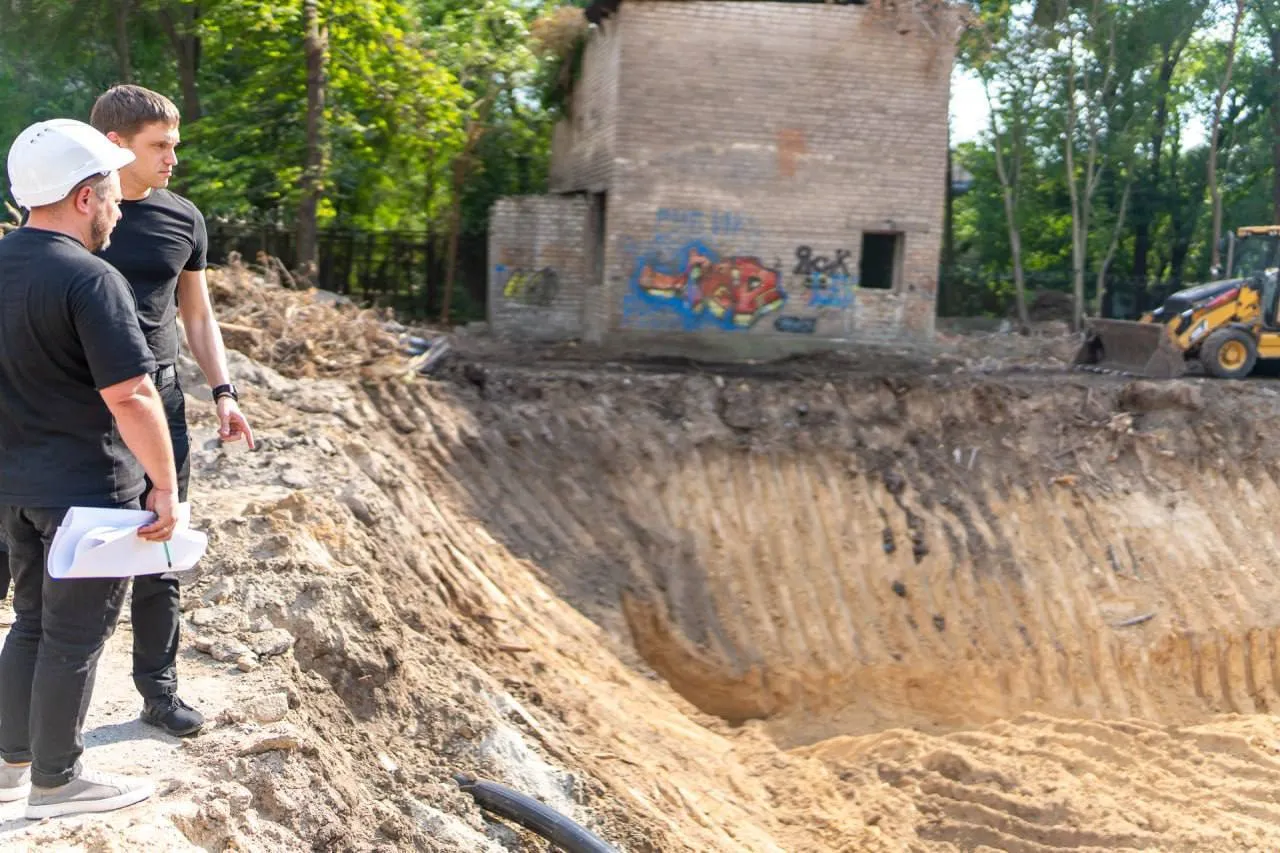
(555, 33)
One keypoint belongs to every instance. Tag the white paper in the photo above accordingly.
(103, 543)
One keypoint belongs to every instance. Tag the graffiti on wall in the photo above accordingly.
(702, 223)
(703, 288)
(528, 286)
(704, 270)
(699, 269)
(826, 279)
(796, 325)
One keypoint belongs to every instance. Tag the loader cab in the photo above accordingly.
(1253, 254)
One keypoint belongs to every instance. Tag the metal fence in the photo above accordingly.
(401, 269)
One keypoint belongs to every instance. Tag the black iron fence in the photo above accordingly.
(401, 269)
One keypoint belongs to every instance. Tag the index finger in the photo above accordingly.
(248, 432)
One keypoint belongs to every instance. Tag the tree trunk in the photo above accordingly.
(1266, 17)
(1183, 213)
(1215, 193)
(1145, 204)
(1008, 189)
(451, 252)
(124, 62)
(1079, 201)
(1274, 38)
(1111, 250)
(1019, 277)
(314, 44)
(460, 166)
(476, 128)
(948, 236)
(1078, 224)
(1015, 246)
(185, 41)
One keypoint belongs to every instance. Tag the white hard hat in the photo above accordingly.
(50, 157)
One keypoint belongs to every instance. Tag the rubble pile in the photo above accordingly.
(1050, 344)
(301, 333)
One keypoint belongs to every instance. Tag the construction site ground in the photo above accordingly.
(955, 598)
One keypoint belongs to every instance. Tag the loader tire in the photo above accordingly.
(1229, 354)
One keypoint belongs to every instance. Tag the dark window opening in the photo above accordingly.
(878, 269)
(599, 232)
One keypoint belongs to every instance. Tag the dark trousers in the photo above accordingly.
(50, 656)
(5, 577)
(154, 607)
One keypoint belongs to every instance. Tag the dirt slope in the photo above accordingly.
(797, 608)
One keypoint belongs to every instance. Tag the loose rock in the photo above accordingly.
(276, 641)
(222, 619)
(227, 651)
(284, 740)
(271, 708)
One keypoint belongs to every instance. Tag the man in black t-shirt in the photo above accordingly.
(80, 424)
(160, 247)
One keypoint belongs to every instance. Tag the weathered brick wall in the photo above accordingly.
(582, 145)
(537, 274)
(755, 143)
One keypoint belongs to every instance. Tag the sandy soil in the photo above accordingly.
(954, 600)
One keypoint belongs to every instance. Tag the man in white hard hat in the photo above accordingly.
(80, 423)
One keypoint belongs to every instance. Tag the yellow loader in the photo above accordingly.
(1225, 325)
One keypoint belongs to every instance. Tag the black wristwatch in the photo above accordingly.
(227, 390)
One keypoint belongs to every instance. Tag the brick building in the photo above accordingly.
(750, 176)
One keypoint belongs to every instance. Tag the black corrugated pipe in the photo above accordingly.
(532, 815)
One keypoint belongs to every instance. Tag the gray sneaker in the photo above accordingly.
(89, 792)
(15, 782)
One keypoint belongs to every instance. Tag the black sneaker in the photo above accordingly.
(173, 715)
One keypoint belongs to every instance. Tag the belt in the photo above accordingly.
(164, 373)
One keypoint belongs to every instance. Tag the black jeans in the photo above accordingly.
(5, 577)
(154, 607)
(50, 657)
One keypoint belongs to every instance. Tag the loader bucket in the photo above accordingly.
(1141, 348)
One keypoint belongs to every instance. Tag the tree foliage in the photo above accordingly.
(1115, 105)
(407, 84)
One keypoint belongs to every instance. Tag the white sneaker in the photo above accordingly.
(89, 792)
(15, 781)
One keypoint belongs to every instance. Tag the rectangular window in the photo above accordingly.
(599, 234)
(881, 261)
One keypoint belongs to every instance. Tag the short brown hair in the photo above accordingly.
(127, 109)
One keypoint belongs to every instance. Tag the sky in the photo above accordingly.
(968, 106)
(969, 114)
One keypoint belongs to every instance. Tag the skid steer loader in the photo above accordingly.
(1225, 326)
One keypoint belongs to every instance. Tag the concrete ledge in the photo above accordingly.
(729, 348)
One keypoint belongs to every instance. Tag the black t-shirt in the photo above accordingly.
(68, 327)
(156, 239)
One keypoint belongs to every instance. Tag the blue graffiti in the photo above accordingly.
(796, 325)
(829, 291)
(698, 223)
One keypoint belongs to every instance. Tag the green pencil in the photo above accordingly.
(167, 556)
